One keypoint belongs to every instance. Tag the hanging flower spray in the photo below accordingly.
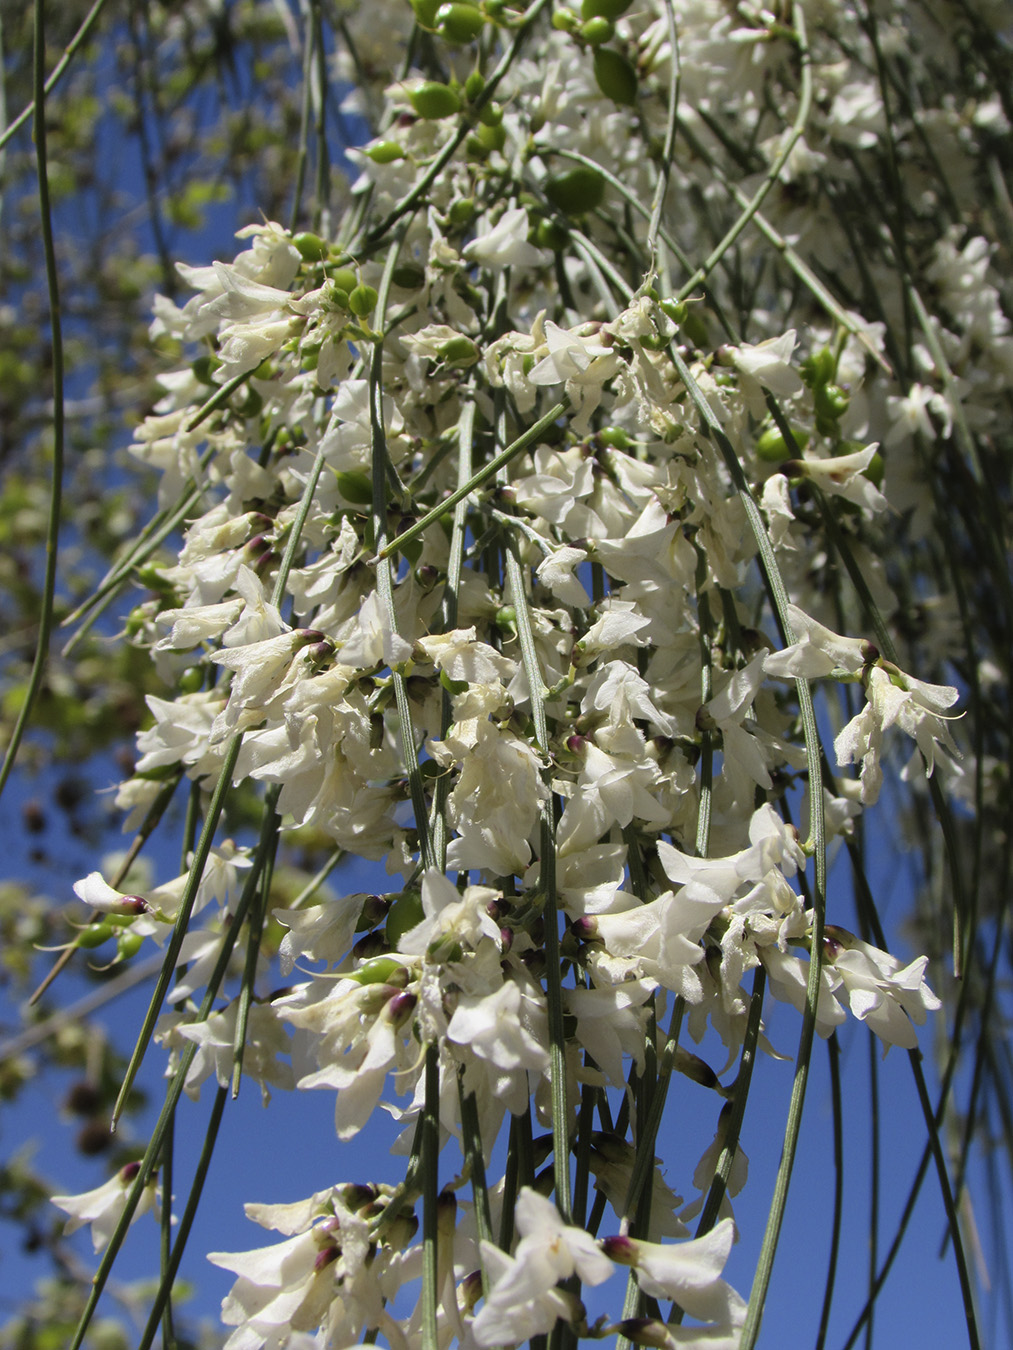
(527, 502)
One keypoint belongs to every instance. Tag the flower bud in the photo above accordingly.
(695, 1068)
(645, 1331)
(400, 1008)
(622, 1250)
(373, 944)
(469, 1291)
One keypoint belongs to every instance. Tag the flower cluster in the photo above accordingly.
(485, 484)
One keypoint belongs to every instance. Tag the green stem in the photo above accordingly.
(477, 479)
(186, 1222)
(430, 1197)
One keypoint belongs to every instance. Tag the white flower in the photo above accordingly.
(95, 891)
(215, 1037)
(505, 1027)
(917, 708)
(583, 362)
(766, 365)
(816, 652)
(556, 571)
(523, 1300)
(103, 1206)
(880, 992)
(505, 244)
(844, 476)
(688, 1273)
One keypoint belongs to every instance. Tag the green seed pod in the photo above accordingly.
(694, 326)
(94, 935)
(425, 12)
(459, 23)
(565, 21)
(576, 191)
(491, 115)
(311, 247)
(433, 100)
(355, 487)
(474, 85)
(452, 686)
(128, 945)
(772, 447)
(203, 367)
(385, 152)
(548, 234)
(676, 310)
(344, 279)
(615, 76)
(462, 211)
(252, 405)
(362, 301)
(615, 438)
(831, 401)
(191, 680)
(408, 277)
(459, 351)
(819, 368)
(606, 9)
(490, 138)
(412, 551)
(405, 913)
(377, 970)
(598, 30)
(875, 469)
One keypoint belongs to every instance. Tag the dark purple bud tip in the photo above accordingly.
(643, 1331)
(585, 928)
(621, 1249)
(128, 1172)
(870, 652)
(356, 1195)
(326, 1258)
(401, 1007)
